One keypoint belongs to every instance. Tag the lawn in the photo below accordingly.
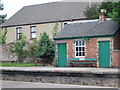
(18, 64)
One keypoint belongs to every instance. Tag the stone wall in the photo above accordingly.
(78, 78)
(6, 55)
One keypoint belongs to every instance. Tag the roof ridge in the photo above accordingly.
(43, 3)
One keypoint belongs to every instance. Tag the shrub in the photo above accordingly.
(45, 49)
(3, 36)
(18, 48)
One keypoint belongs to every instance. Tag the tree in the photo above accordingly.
(3, 36)
(2, 17)
(55, 29)
(115, 14)
(113, 10)
(31, 52)
(45, 49)
(91, 12)
(106, 5)
(18, 48)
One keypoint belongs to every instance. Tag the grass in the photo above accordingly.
(18, 64)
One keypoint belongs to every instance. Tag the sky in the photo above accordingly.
(12, 6)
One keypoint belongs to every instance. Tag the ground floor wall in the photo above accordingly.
(116, 58)
(91, 49)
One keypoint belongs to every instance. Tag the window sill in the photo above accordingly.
(32, 38)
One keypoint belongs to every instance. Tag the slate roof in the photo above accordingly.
(48, 12)
(95, 28)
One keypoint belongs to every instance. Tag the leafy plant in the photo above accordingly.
(91, 12)
(3, 36)
(115, 14)
(31, 52)
(45, 49)
(18, 48)
(2, 17)
(55, 29)
(113, 9)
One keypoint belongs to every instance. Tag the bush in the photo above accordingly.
(18, 48)
(3, 36)
(32, 51)
(91, 12)
(45, 49)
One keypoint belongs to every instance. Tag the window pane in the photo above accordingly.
(80, 48)
(77, 54)
(83, 53)
(33, 35)
(33, 29)
(79, 43)
(83, 48)
(19, 30)
(76, 43)
(76, 48)
(83, 43)
(19, 36)
(80, 54)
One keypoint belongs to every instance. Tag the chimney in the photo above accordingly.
(103, 16)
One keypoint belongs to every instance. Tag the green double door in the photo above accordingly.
(62, 55)
(104, 54)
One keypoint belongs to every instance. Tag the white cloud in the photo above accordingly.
(12, 6)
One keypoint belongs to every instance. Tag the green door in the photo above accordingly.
(104, 53)
(62, 55)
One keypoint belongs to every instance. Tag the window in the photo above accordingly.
(80, 49)
(33, 32)
(19, 32)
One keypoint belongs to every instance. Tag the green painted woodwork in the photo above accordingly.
(104, 53)
(78, 61)
(85, 37)
(62, 55)
(90, 59)
(73, 59)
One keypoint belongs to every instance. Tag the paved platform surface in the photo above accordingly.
(64, 69)
(18, 84)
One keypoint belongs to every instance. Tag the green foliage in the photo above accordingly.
(55, 29)
(3, 36)
(1, 6)
(18, 64)
(113, 10)
(31, 52)
(115, 14)
(91, 12)
(45, 49)
(2, 17)
(106, 5)
(18, 48)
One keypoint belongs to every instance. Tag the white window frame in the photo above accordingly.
(82, 57)
(18, 32)
(32, 32)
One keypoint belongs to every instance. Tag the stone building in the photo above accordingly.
(36, 19)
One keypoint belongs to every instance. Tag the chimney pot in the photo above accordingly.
(102, 17)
